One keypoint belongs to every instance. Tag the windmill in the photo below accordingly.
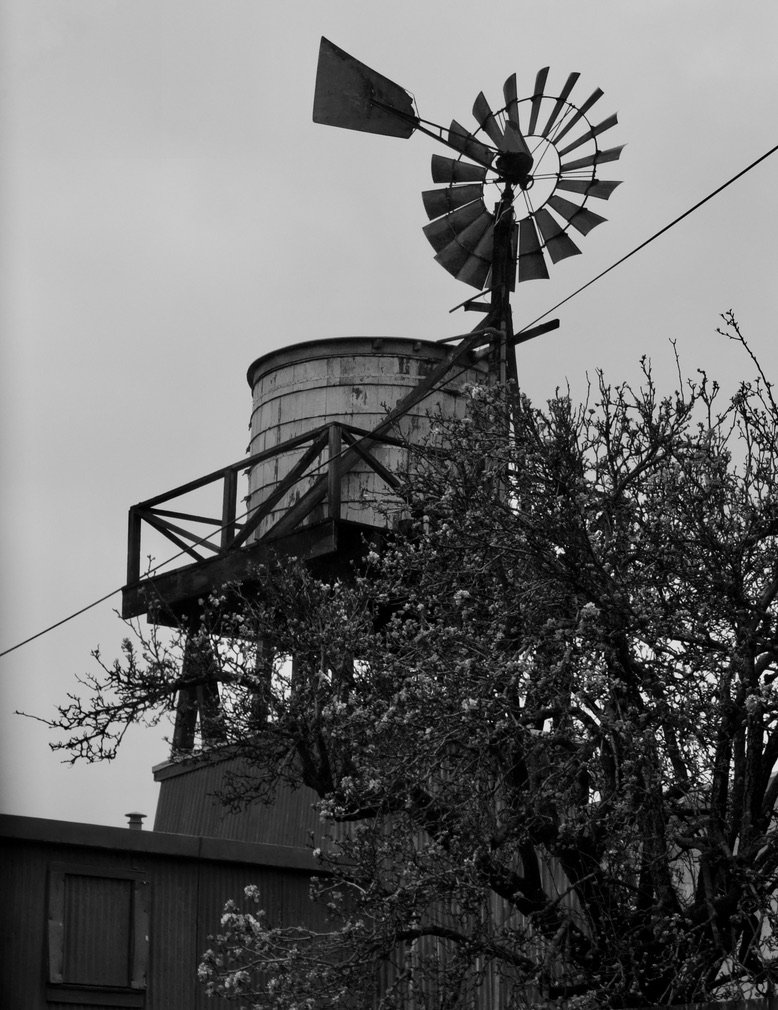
(517, 159)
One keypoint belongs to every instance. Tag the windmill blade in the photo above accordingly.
(454, 170)
(469, 238)
(515, 142)
(465, 266)
(443, 201)
(468, 257)
(594, 187)
(477, 267)
(511, 96)
(598, 158)
(461, 140)
(595, 131)
(509, 139)
(537, 100)
(351, 95)
(560, 102)
(475, 272)
(485, 119)
(580, 218)
(595, 96)
(555, 239)
(449, 228)
(532, 263)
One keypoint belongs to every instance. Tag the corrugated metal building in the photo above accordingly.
(189, 804)
(100, 917)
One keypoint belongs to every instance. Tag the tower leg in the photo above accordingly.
(198, 697)
(260, 697)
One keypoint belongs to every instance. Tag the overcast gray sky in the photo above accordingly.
(170, 212)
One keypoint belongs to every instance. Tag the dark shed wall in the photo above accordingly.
(189, 881)
(188, 804)
(22, 922)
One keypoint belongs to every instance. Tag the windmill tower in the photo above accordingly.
(321, 436)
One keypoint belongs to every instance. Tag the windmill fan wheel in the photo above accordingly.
(518, 161)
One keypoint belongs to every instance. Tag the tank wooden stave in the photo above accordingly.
(352, 380)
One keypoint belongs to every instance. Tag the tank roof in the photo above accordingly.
(320, 347)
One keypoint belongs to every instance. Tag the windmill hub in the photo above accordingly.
(515, 168)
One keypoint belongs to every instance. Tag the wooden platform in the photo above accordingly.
(331, 545)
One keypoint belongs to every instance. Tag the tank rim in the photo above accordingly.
(416, 342)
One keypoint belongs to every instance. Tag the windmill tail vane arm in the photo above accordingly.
(353, 96)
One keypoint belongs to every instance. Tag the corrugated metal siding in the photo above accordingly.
(98, 936)
(186, 899)
(54, 1005)
(174, 948)
(284, 898)
(22, 926)
(187, 804)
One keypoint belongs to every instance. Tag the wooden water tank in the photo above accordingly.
(353, 380)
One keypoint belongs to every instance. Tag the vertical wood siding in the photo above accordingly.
(186, 900)
(97, 930)
(188, 804)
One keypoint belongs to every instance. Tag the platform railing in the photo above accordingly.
(344, 445)
(341, 458)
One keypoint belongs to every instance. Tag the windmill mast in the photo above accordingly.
(503, 283)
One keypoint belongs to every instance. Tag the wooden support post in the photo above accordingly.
(260, 695)
(229, 507)
(133, 547)
(294, 475)
(333, 472)
(186, 722)
(198, 696)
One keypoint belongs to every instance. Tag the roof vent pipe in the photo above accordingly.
(135, 821)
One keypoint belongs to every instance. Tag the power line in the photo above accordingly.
(113, 592)
(656, 235)
(527, 326)
(64, 620)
